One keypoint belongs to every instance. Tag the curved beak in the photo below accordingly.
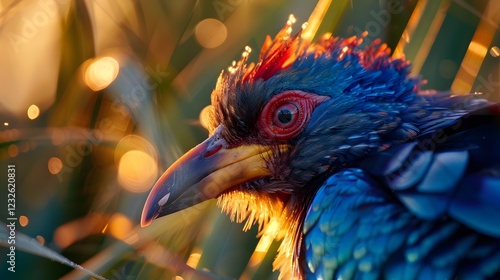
(204, 173)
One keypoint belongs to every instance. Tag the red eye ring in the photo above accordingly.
(287, 113)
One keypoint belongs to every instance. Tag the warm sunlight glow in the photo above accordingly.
(210, 33)
(477, 48)
(268, 236)
(206, 116)
(119, 226)
(264, 243)
(33, 112)
(194, 258)
(315, 19)
(133, 142)
(101, 73)
(78, 229)
(6, 123)
(476, 53)
(154, 253)
(55, 165)
(137, 171)
(23, 221)
(410, 28)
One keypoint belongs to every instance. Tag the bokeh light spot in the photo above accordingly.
(6, 123)
(55, 165)
(24, 146)
(119, 226)
(58, 136)
(23, 221)
(137, 171)
(495, 51)
(40, 239)
(194, 258)
(33, 112)
(210, 33)
(133, 142)
(65, 236)
(13, 150)
(101, 73)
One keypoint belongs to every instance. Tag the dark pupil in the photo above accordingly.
(285, 116)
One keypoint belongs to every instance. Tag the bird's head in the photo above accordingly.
(303, 110)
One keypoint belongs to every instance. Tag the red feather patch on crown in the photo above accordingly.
(281, 52)
(277, 54)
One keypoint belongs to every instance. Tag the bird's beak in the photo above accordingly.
(204, 173)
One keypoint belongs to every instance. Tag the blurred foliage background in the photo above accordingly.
(98, 98)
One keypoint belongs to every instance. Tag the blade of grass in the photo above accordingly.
(31, 245)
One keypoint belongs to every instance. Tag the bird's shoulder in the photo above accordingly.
(391, 214)
(453, 172)
(351, 225)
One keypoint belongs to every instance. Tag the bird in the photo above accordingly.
(368, 175)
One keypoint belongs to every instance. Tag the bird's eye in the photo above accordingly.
(287, 113)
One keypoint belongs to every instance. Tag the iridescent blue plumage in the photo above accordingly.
(427, 209)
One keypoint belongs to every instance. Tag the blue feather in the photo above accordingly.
(445, 172)
(426, 209)
(478, 206)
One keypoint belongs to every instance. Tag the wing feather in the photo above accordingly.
(427, 209)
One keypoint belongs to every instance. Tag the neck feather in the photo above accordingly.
(261, 208)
